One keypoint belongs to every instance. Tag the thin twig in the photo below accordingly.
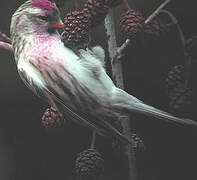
(120, 50)
(93, 140)
(148, 20)
(156, 12)
(126, 4)
(76, 4)
(187, 62)
(175, 22)
(6, 46)
(5, 37)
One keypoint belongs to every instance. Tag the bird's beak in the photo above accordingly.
(59, 24)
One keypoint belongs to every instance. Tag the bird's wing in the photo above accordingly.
(66, 91)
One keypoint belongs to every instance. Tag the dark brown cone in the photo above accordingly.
(97, 10)
(76, 31)
(191, 47)
(175, 77)
(139, 145)
(180, 100)
(52, 119)
(155, 29)
(180, 95)
(89, 165)
(131, 23)
(119, 147)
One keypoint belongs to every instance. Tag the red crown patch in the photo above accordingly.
(43, 4)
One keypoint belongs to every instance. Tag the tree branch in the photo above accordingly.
(148, 20)
(175, 21)
(5, 37)
(76, 4)
(156, 12)
(126, 3)
(6, 46)
(187, 61)
(118, 77)
(120, 50)
(92, 146)
(112, 46)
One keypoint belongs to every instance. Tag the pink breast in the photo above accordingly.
(45, 47)
(42, 46)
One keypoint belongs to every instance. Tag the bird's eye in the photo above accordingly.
(44, 18)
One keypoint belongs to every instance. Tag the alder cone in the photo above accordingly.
(52, 119)
(76, 31)
(180, 93)
(175, 77)
(89, 165)
(139, 145)
(119, 147)
(131, 23)
(180, 100)
(155, 29)
(97, 10)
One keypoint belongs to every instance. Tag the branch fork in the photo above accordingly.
(120, 50)
(5, 42)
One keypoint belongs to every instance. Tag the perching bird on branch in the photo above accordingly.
(77, 85)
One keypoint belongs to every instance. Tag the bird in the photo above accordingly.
(76, 84)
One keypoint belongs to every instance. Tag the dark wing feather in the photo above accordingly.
(63, 87)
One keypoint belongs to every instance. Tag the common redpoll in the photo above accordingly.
(77, 85)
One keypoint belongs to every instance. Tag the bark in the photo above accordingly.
(118, 77)
(6, 46)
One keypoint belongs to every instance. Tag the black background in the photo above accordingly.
(28, 152)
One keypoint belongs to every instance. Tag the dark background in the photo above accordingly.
(28, 152)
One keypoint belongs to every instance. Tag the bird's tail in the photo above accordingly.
(154, 112)
(132, 104)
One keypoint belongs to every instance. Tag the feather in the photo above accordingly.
(56, 86)
(134, 105)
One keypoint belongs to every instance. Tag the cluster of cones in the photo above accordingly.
(132, 25)
(180, 83)
(89, 163)
(79, 23)
(76, 35)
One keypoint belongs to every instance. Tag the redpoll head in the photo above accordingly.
(36, 16)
